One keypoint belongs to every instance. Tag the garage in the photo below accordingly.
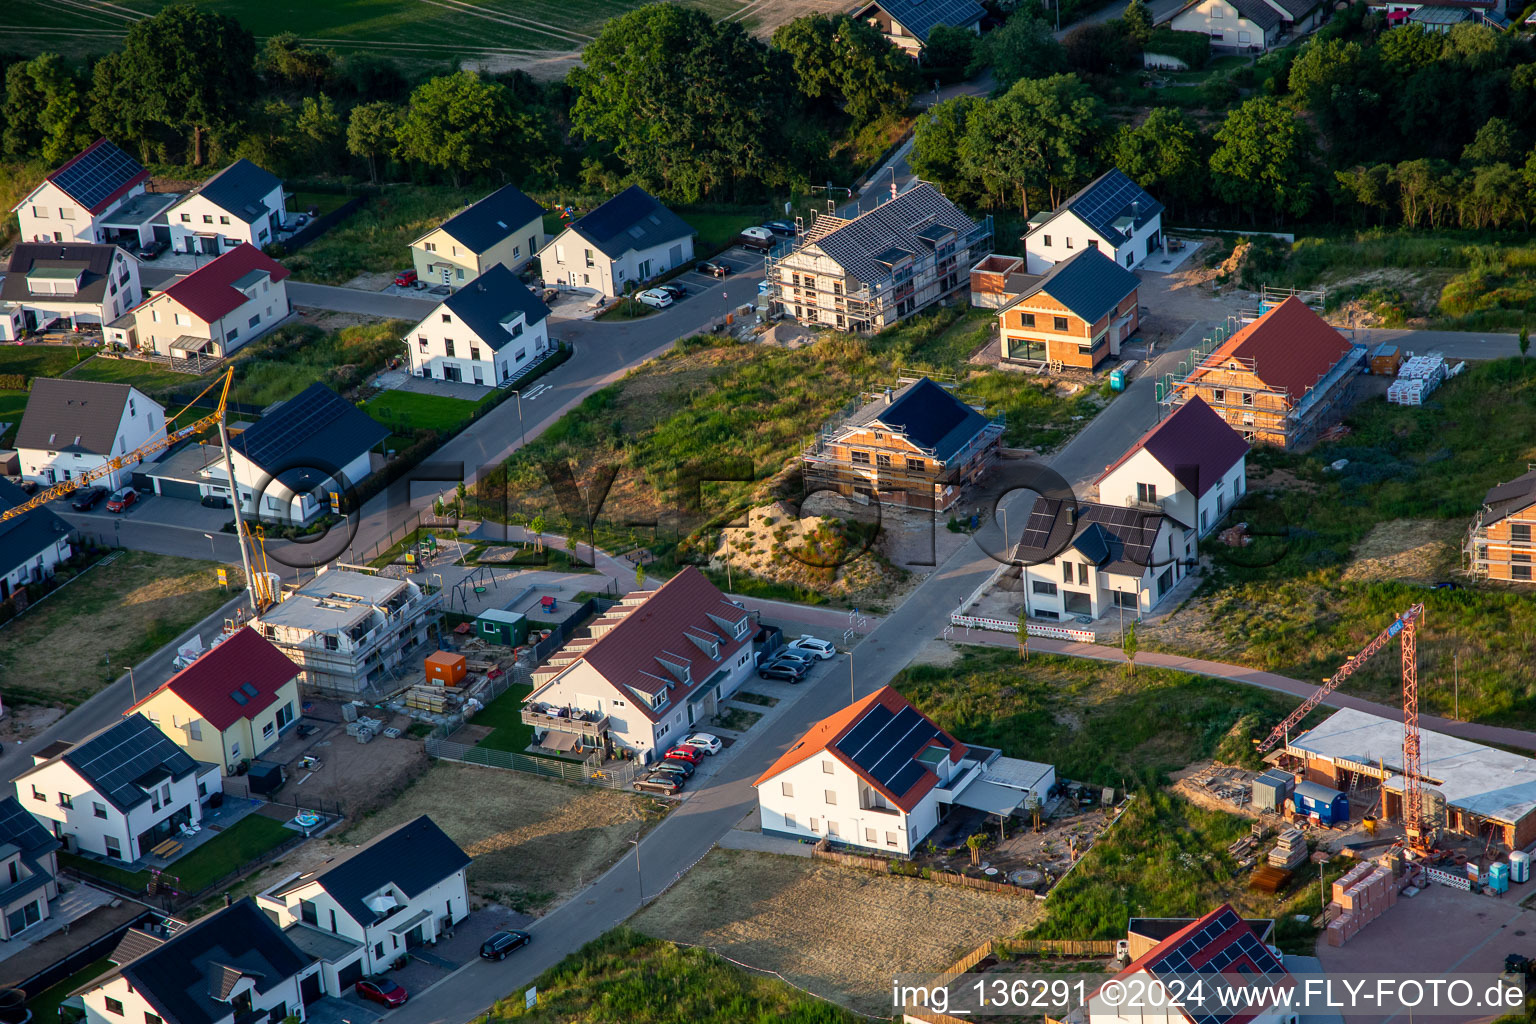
(179, 489)
(309, 988)
(349, 975)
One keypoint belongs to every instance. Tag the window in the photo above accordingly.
(1069, 243)
(99, 809)
(114, 1006)
(890, 839)
(378, 950)
(151, 1018)
(183, 320)
(186, 218)
(474, 352)
(65, 802)
(1043, 588)
(223, 220)
(1519, 572)
(154, 800)
(861, 458)
(1066, 572)
(448, 347)
(831, 795)
(869, 836)
(1059, 323)
(234, 751)
(41, 212)
(1047, 241)
(330, 643)
(113, 848)
(1520, 533)
(789, 821)
(447, 318)
(1205, 519)
(1247, 397)
(38, 794)
(832, 829)
(1218, 395)
(195, 730)
(421, 342)
(207, 218)
(916, 465)
(1026, 319)
(1146, 492)
(459, 273)
(522, 354)
(268, 729)
(1216, 11)
(588, 254)
(1082, 574)
(883, 460)
(254, 320)
(786, 789)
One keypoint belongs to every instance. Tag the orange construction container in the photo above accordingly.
(446, 668)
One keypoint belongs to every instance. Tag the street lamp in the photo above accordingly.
(211, 549)
(639, 882)
(133, 686)
(522, 435)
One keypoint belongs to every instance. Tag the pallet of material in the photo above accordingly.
(1268, 878)
(1243, 846)
(426, 698)
(1290, 850)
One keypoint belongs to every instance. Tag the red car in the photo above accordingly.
(405, 279)
(693, 755)
(121, 499)
(381, 991)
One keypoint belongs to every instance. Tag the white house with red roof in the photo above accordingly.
(1193, 466)
(230, 705)
(881, 775)
(651, 666)
(99, 195)
(212, 311)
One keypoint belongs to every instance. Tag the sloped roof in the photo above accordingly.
(1089, 284)
(24, 537)
(74, 415)
(1258, 12)
(920, 16)
(1110, 198)
(1295, 10)
(99, 174)
(211, 292)
(879, 738)
(1194, 443)
(482, 225)
(90, 261)
(414, 856)
(237, 679)
(1292, 348)
(926, 414)
(1501, 501)
(20, 829)
(1120, 539)
(121, 760)
(490, 303)
(858, 244)
(134, 944)
(631, 220)
(241, 189)
(309, 437)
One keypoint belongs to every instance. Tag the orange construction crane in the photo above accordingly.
(1405, 626)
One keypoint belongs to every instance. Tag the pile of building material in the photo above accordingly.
(426, 697)
(364, 729)
(1290, 851)
(1360, 897)
(1416, 379)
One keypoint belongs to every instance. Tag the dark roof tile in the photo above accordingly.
(1109, 198)
(492, 300)
(91, 261)
(241, 189)
(1089, 284)
(75, 415)
(414, 856)
(865, 245)
(633, 219)
(310, 437)
(1194, 443)
(920, 16)
(486, 223)
(24, 537)
(115, 760)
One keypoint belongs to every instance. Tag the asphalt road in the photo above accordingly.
(1454, 345)
(356, 300)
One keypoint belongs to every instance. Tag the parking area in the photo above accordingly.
(737, 260)
(150, 508)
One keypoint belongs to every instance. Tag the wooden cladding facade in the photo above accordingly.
(1040, 329)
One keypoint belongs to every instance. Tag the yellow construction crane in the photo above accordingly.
(260, 590)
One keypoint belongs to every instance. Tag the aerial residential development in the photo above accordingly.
(910, 510)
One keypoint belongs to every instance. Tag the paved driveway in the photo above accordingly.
(356, 300)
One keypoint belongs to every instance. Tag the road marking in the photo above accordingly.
(537, 390)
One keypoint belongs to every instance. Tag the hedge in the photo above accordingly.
(14, 382)
(1193, 48)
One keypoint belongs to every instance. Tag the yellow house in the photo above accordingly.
(505, 227)
(230, 705)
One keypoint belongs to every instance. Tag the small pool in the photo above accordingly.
(307, 819)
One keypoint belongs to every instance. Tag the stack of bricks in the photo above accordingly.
(1290, 851)
(1359, 898)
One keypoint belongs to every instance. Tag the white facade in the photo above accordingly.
(1222, 22)
(49, 215)
(571, 261)
(57, 299)
(118, 1002)
(38, 567)
(276, 500)
(142, 419)
(162, 321)
(72, 810)
(1070, 585)
(444, 347)
(1066, 234)
(1142, 479)
(822, 797)
(198, 224)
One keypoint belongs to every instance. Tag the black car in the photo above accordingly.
(781, 227)
(664, 782)
(152, 250)
(675, 766)
(215, 501)
(499, 945)
(673, 289)
(717, 269)
(789, 672)
(85, 499)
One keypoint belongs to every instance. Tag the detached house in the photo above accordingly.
(31, 545)
(240, 204)
(1192, 465)
(907, 23)
(880, 267)
(485, 333)
(1233, 24)
(97, 196)
(650, 667)
(212, 311)
(78, 285)
(74, 426)
(1499, 545)
(29, 870)
(1077, 315)
(399, 891)
(505, 229)
(119, 792)
(230, 705)
(622, 244)
(1112, 214)
(918, 447)
(232, 967)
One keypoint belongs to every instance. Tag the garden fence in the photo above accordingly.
(88, 954)
(615, 776)
(320, 225)
(823, 851)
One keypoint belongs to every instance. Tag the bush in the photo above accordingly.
(14, 382)
(949, 53)
(1193, 48)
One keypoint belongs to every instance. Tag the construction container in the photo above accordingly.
(1272, 789)
(1385, 359)
(501, 627)
(1328, 804)
(1498, 877)
(1519, 866)
(445, 668)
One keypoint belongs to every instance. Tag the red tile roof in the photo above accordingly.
(1292, 348)
(1194, 444)
(209, 292)
(825, 734)
(209, 683)
(630, 654)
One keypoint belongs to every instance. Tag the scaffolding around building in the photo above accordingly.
(1481, 555)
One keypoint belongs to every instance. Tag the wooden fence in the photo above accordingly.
(1063, 947)
(885, 866)
(617, 776)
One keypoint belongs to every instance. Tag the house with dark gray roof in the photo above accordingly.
(120, 792)
(29, 869)
(71, 427)
(1077, 314)
(867, 272)
(398, 891)
(916, 446)
(490, 332)
(504, 229)
(1112, 214)
(618, 246)
(907, 23)
(69, 285)
(242, 203)
(31, 545)
(1246, 26)
(1192, 465)
(231, 966)
(1499, 544)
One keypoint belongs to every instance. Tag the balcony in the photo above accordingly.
(573, 720)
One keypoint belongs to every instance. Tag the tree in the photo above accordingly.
(1259, 160)
(1367, 188)
(459, 124)
(372, 132)
(536, 527)
(847, 64)
(936, 142)
(1100, 48)
(115, 114)
(43, 112)
(190, 70)
(1129, 646)
(1058, 122)
(1023, 48)
(639, 573)
(974, 844)
(23, 134)
(1495, 142)
(1414, 180)
(1337, 82)
(1138, 22)
(949, 53)
(1165, 154)
(286, 62)
(1023, 634)
(318, 127)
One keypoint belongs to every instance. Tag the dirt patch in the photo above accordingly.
(938, 652)
(818, 552)
(372, 281)
(1406, 549)
(331, 320)
(357, 778)
(534, 841)
(22, 723)
(1278, 480)
(1191, 627)
(840, 933)
(1419, 290)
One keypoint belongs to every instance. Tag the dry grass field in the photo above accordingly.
(839, 932)
(534, 841)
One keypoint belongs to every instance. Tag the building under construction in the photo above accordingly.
(867, 272)
(1469, 789)
(1499, 544)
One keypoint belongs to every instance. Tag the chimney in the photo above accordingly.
(1072, 514)
(1136, 208)
(887, 396)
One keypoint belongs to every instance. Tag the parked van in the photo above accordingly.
(757, 238)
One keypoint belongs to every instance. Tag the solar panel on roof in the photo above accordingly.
(903, 747)
(873, 721)
(1107, 201)
(906, 778)
(302, 416)
(97, 174)
(249, 688)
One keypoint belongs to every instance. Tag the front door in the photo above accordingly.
(452, 373)
(210, 246)
(479, 375)
(447, 275)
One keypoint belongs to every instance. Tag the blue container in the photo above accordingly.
(1117, 380)
(1328, 804)
(1498, 877)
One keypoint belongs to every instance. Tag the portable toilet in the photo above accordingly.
(1272, 789)
(446, 668)
(1519, 866)
(1117, 379)
(1328, 804)
(1498, 877)
(501, 627)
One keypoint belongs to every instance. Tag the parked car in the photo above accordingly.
(788, 671)
(672, 766)
(299, 220)
(85, 498)
(656, 298)
(121, 499)
(673, 289)
(499, 945)
(706, 742)
(405, 279)
(441, 289)
(152, 250)
(813, 646)
(381, 991)
(684, 752)
(782, 227)
(717, 269)
(215, 501)
(796, 657)
(28, 486)
(757, 238)
(659, 782)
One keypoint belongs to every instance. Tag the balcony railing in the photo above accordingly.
(585, 723)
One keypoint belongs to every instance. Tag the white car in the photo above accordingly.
(811, 645)
(655, 297)
(705, 742)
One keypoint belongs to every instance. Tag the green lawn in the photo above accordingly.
(150, 378)
(40, 360)
(231, 849)
(628, 309)
(45, 1005)
(717, 227)
(504, 716)
(324, 202)
(12, 405)
(406, 411)
(378, 237)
